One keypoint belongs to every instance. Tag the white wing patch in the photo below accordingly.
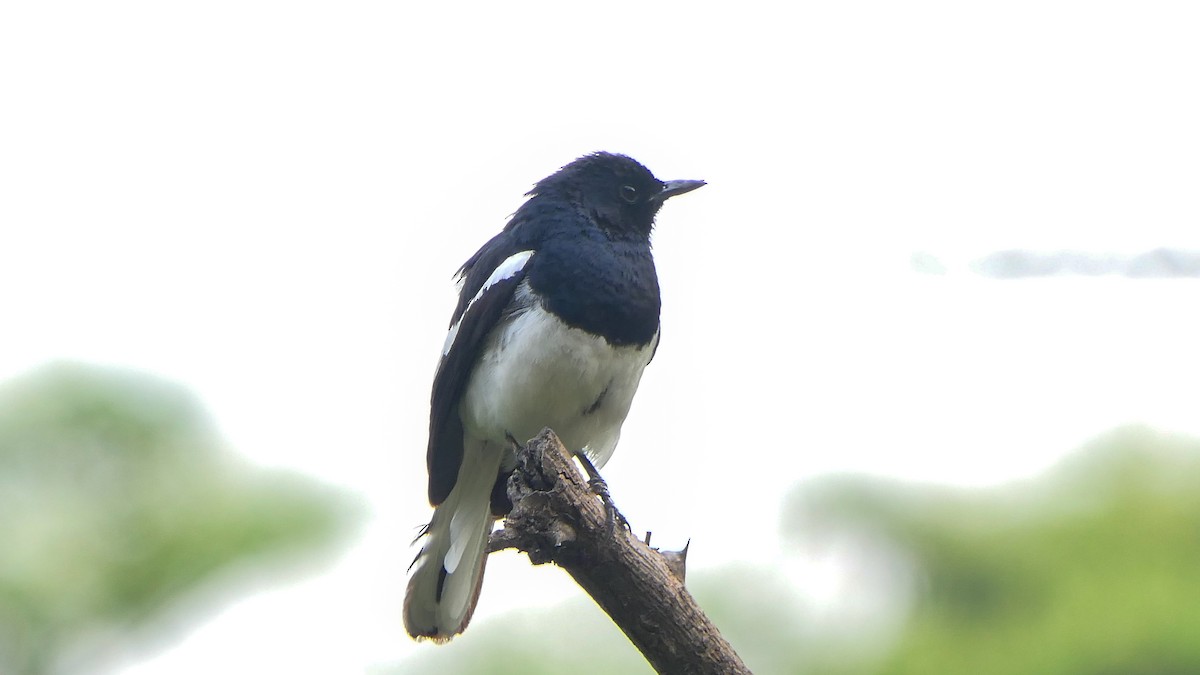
(512, 265)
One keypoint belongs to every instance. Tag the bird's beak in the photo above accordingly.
(676, 187)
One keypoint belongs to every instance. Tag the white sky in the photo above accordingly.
(265, 201)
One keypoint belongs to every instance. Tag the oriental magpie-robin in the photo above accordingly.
(557, 316)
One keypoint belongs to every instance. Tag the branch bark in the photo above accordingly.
(557, 518)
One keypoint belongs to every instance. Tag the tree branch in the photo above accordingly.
(557, 518)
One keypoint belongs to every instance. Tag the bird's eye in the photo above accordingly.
(629, 193)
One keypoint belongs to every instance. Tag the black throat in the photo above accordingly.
(607, 288)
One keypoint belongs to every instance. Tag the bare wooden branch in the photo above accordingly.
(557, 518)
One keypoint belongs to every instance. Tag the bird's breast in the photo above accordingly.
(536, 371)
(605, 288)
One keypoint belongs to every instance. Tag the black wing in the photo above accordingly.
(490, 279)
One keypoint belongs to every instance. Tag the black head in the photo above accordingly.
(620, 194)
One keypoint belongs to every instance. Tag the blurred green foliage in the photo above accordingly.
(117, 498)
(1091, 569)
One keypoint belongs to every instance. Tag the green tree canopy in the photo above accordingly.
(1092, 569)
(117, 498)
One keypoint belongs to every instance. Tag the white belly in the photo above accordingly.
(538, 372)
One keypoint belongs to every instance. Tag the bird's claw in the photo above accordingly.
(597, 485)
(516, 446)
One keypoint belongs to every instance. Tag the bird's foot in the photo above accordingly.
(611, 515)
(514, 443)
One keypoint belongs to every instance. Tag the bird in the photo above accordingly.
(557, 317)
